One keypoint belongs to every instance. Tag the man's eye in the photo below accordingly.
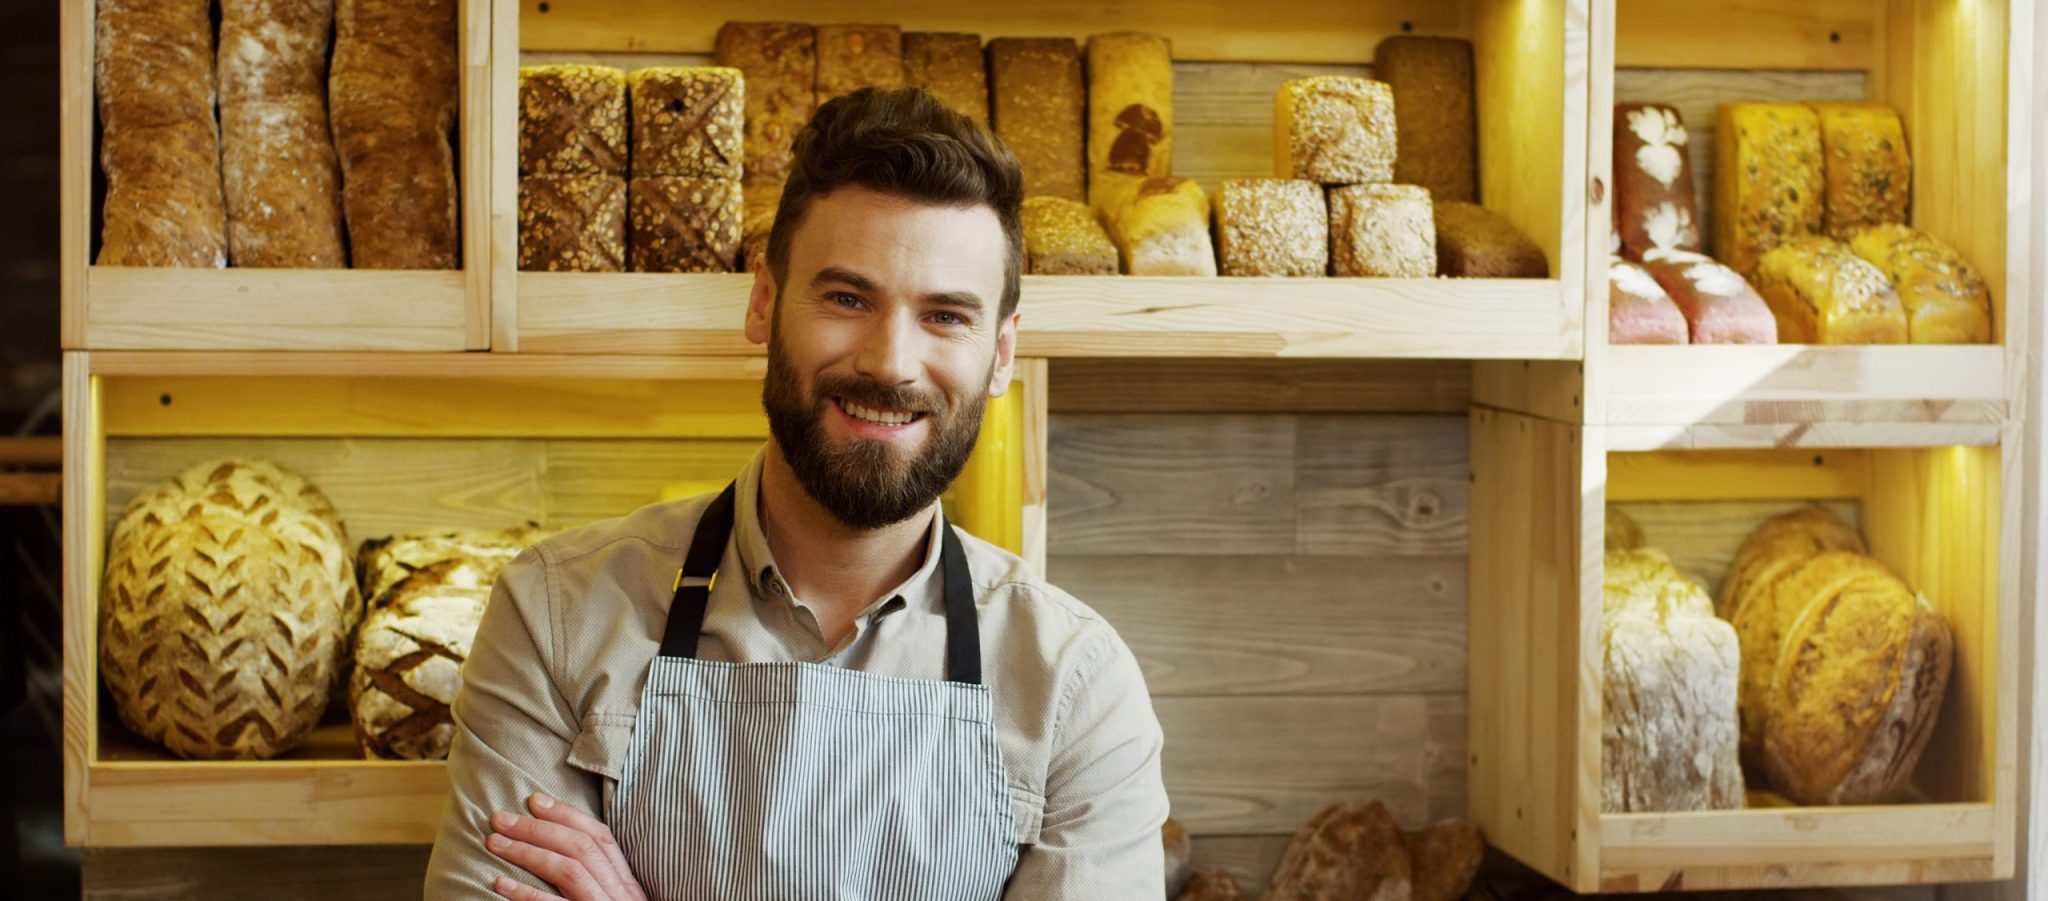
(844, 300)
(949, 319)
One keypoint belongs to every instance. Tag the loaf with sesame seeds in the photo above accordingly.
(1946, 301)
(1061, 237)
(1768, 187)
(1335, 130)
(1272, 226)
(1039, 108)
(687, 122)
(1822, 293)
(951, 67)
(677, 224)
(1434, 118)
(1868, 173)
(572, 120)
(572, 223)
(779, 61)
(1382, 230)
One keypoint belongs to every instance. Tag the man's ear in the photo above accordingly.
(1006, 356)
(761, 305)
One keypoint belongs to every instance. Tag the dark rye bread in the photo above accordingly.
(780, 63)
(1435, 120)
(1038, 107)
(1474, 242)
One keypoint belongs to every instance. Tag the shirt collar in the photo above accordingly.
(920, 591)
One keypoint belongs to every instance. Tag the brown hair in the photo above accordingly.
(902, 142)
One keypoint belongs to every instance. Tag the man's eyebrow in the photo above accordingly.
(965, 300)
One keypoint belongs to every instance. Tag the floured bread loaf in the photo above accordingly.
(1212, 884)
(225, 611)
(1653, 189)
(1822, 293)
(1718, 304)
(408, 669)
(283, 189)
(159, 143)
(463, 558)
(1354, 850)
(1668, 733)
(1161, 227)
(1946, 301)
(1638, 309)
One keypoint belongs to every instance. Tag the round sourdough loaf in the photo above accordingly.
(1353, 850)
(409, 658)
(1784, 588)
(1785, 538)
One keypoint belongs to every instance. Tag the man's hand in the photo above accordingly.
(567, 848)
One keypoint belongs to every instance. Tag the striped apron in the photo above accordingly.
(799, 780)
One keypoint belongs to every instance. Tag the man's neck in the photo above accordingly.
(832, 566)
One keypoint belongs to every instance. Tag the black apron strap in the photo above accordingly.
(963, 628)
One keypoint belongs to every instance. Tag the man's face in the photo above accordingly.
(883, 348)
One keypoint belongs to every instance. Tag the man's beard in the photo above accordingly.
(864, 484)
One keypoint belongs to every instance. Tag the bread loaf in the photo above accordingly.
(463, 558)
(1130, 110)
(1623, 533)
(1718, 304)
(1352, 850)
(572, 120)
(1435, 123)
(159, 144)
(683, 224)
(1061, 237)
(1475, 242)
(1822, 293)
(1768, 182)
(779, 61)
(687, 122)
(1382, 230)
(1443, 859)
(1868, 173)
(225, 611)
(1161, 227)
(282, 188)
(1179, 849)
(1780, 582)
(1946, 301)
(392, 95)
(1638, 309)
(1334, 129)
(1653, 189)
(858, 56)
(1038, 106)
(572, 223)
(1212, 884)
(952, 68)
(1785, 540)
(408, 669)
(1272, 227)
(1668, 732)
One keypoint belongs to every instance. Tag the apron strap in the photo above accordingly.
(707, 548)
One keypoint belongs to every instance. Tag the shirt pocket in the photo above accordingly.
(601, 749)
(1027, 813)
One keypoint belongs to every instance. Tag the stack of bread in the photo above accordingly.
(683, 202)
(1668, 688)
(225, 610)
(572, 168)
(1843, 665)
(1340, 132)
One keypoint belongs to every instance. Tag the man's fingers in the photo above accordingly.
(508, 887)
(567, 875)
(555, 811)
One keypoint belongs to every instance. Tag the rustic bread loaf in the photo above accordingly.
(1444, 858)
(1653, 189)
(1354, 850)
(1769, 180)
(1161, 227)
(159, 143)
(392, 96)
(1623, 532)
(1868, 173)
(1272, 227)
(687, 122)
(1180, 850)
(464, 558)
(1212, 884)
(683, 224)
(572, 223)
(780, 63)
(1061, 237)
(1783, 540)
(1382, 230)
(952, 68)
(1334, 129)
(408, 669)
(1130, 110)
(1475, 242)
(278, 169)
(1762, 619)
(1435, 122)
(572, 120)
(858, 56)
(1668, 731)
(1946, 301)
(1822, 293)
(1039, 107)
(1718, 304)
(1638, 309)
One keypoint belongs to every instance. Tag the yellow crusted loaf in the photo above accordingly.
(1769, 184)
(1946, 301)
(1822, 293)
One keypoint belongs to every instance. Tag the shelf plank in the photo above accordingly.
(275, 309)
(1796, 847)
(1746, 34)
(318, 802)
(1796, 384)
(1100, 316)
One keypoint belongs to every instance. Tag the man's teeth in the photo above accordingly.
(880, 417)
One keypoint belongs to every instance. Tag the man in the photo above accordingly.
(810, 685)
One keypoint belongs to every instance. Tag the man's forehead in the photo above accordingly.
(886, 238)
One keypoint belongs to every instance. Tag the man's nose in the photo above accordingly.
(890, 351)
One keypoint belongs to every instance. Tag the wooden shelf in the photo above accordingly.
(1897, 845)
(1099, 316)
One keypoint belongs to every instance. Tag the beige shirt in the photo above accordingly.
(553, 684)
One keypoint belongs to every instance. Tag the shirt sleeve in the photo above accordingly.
(513, 733)
(1104, 799)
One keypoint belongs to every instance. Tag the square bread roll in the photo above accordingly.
(1382, 230)
(688, 122)
(572, 223)
(572, 120)
(1273, 227)
(1334, 129)
(681, 224)
(1062, 237)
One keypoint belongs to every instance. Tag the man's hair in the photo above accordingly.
(906, 143)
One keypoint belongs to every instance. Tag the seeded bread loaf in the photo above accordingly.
(1668, 692)
(159, 143)
(1353, 850)
(1765, 616)
(1718, 304)
(1434, 118)
(1061, 237)
(1868, 172)
(687, 122)
(851, 57)
(1768, 184)
(572, 120)
(779, 62)
(572, 223)
(1161, 227)
(1039, 108)
(1130, 110)
(1335, 130)
(1382, 230)
(1272, 227)
(282, 187)
(1475, 242)
(683, 224)
(1653, 187)
(392, 97)
(1946, 300)
(952, 68)
(1822, 293)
